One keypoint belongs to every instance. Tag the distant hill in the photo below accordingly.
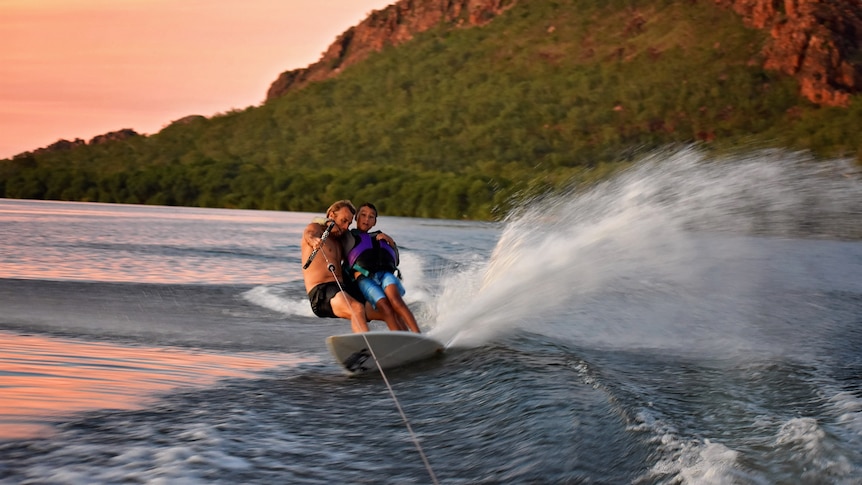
(456, 109)
(816, 42)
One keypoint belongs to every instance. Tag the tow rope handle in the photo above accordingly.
(322, 240)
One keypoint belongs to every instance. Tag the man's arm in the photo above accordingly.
(312, 234)
(321, 244)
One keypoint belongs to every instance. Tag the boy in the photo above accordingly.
(373, 258)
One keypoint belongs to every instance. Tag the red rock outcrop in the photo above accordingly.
(393, 25)
(816, 41)
(819, 42)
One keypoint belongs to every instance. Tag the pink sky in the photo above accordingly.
(79, 68)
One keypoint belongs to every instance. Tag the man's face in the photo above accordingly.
(366, 219)
(342, 217)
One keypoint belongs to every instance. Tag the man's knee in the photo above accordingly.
(346, 306)
(357, 307)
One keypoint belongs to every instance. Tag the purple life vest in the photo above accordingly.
(369, 255)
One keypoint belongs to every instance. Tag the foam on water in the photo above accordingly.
(805, 443)
(848, 409)
(276, 299)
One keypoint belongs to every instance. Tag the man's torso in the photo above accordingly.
(318, 271)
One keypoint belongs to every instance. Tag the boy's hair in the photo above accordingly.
(337, 206)
(370, 206)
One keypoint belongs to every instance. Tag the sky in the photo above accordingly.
(80, 68)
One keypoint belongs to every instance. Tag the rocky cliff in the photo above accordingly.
(393, 25)
(816, 41)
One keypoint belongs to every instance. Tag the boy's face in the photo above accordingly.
(366, 218)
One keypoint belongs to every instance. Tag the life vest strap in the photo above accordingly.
(359, 269)
(364, 272)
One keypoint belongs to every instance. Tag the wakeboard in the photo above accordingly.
(356, 352)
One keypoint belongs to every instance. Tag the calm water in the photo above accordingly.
(691, 321)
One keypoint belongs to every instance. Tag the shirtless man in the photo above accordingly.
(328, 299)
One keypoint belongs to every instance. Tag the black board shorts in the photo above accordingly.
(321, 297)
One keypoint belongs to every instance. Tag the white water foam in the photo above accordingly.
(416, 285)
(811, 450)
(274, 298)
(848, 409)
(675, 227)
(801, 446)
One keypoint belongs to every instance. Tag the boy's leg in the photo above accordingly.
(382, 308)
(393, 294)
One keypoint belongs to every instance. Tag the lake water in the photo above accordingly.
(691, 321)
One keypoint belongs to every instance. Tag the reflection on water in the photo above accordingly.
(42, 378)
(147, 244)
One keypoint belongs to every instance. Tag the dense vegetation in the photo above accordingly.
(460, 122)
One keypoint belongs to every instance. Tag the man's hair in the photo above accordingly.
(370, 206)
(340, 205)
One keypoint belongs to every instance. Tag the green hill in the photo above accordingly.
(461, 122)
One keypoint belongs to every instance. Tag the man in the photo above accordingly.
(329, 294)
(373, 259)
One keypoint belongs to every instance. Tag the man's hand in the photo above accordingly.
(313, 237)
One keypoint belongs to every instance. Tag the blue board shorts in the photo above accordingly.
(372, 286)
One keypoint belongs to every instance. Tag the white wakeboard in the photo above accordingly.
(392, 349)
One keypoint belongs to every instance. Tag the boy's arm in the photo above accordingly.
(381, 236)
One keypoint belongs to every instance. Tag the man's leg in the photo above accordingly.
(344, 306)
